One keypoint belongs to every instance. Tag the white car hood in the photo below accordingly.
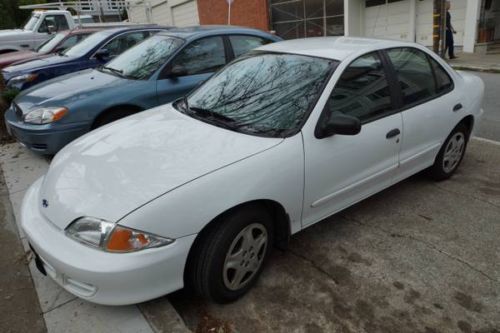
(116, 169)
(15, 35)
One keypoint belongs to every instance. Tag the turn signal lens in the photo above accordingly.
(108, 236)
(128, 240)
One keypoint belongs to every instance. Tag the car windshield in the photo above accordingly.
(142, 60)
(30, 24)
(49, 45)
(87, 45)
(266, 94)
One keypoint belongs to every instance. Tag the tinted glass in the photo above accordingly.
(49, 45)
(123, 42)
(70, 41)
(202, 56)
(414, 74)
(443, 80)
(243, 44)
(141, 61)
(87, 45)
(362, 91)
(264, 93)
(61, 22)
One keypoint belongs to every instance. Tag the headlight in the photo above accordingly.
(108, 236)
(45, 115)
(22, 79)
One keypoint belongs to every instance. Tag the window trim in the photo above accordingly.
(113, 38)
(404, 107)
(390, 82)
(164, 72)
(269, 41)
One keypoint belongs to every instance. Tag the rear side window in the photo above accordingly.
(443, 80)
(201, 56)
(242, 44)
(415, 75)
(362, 91)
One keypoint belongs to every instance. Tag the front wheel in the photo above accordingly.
(451, 154)
(231, 255)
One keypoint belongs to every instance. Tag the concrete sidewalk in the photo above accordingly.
(477, 62)
(62, 311)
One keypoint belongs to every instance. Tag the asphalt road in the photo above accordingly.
(421, 256)
(490, 124)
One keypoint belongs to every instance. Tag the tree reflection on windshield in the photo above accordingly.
(265, 92)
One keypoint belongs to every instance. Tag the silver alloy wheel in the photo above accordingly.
(453, 152)
(245, 256)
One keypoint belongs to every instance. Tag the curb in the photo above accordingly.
(476, 68)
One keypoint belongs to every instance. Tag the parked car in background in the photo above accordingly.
(57, 44)
(39, 28)
(198, 192)
(94, 51)
(159, 70)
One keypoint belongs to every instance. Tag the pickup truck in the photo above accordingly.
(38, 29)
(41, 26)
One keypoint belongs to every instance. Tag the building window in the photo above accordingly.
(307, 18)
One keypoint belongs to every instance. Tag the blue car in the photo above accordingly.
(95, 50)
(159, 70)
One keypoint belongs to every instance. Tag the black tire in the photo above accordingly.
(111, 115)
(208, 275)
(440, 170)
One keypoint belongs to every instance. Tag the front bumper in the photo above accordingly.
(97, 276)
(44, 139)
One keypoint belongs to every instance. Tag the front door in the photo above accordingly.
(341, 170)
(191, 66)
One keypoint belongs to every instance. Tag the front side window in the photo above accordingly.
(262, 93)
(414, 75)
(57, 21)
(202, 56)
(362, 90)
(123, 42)
(243, 44)
(141, 61)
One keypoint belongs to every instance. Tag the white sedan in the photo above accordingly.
(199, 191)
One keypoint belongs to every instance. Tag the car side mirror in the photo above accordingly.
(51, 29)
(340, 124)
(102, 54)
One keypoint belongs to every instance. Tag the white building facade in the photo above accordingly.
(179, 13)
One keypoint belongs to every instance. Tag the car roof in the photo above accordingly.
(208, 30)
(112, 31)
(337, 48)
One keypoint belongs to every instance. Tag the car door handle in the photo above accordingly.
(392, 133)
(457, 107)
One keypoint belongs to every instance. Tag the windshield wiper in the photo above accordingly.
(118, 72)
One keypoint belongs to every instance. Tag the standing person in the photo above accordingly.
(450, 44)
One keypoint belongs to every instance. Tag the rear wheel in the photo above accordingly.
(231, 255)
(451, 154)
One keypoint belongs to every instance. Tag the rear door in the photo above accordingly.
(195, 63)
(428, 100)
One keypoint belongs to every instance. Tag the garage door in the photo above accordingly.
(186, 14)
(387, 19)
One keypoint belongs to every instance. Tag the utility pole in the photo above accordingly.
(439, 27)
(436, 24)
